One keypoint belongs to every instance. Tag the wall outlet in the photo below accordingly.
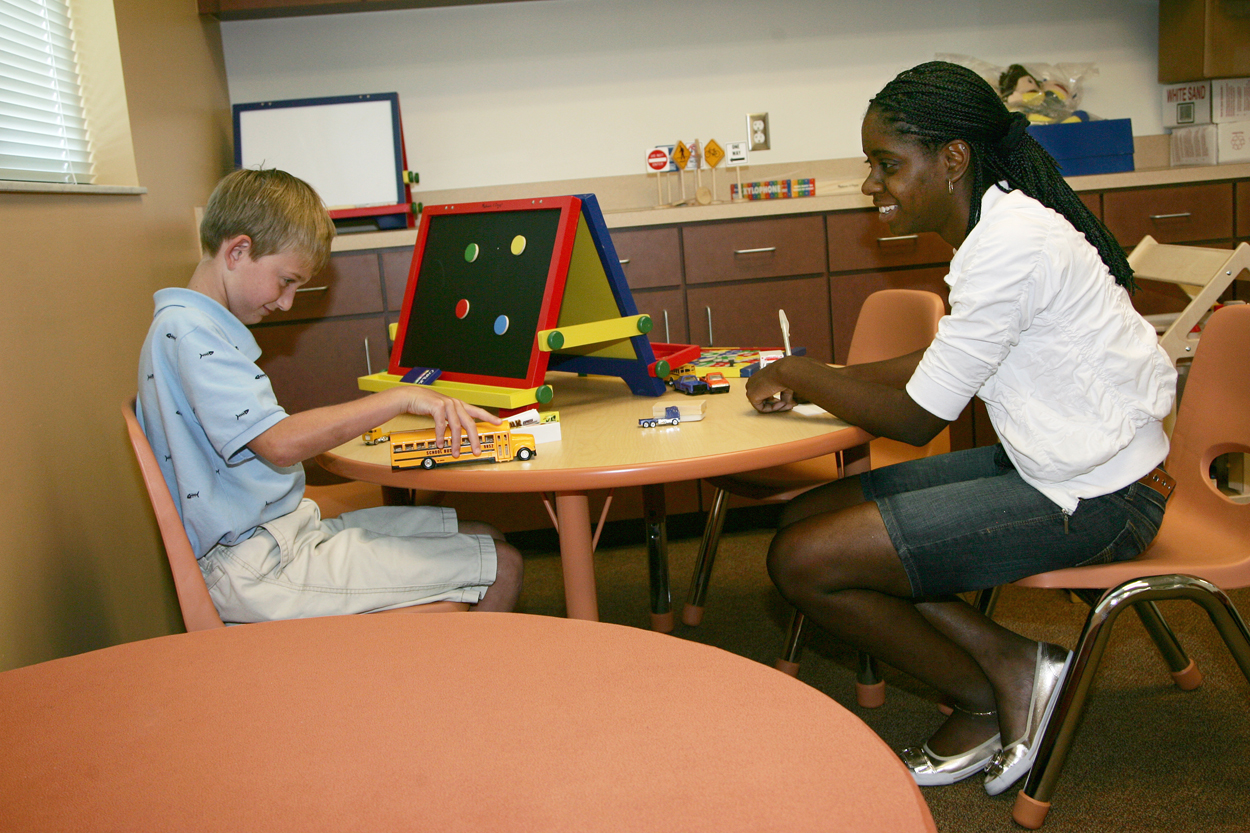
(758, 133)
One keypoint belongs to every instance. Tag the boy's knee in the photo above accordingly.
(479, 528)
(508, 561)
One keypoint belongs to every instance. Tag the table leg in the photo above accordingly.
(576, 556)
(657, 557)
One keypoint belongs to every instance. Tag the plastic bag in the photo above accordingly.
(1046, 93)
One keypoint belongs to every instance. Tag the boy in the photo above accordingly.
(231, 455)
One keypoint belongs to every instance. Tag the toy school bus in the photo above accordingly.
(410, 449)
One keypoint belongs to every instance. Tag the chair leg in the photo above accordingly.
(789, 659)
(869, 687)
(1184, 671)
(692, 613)
(657, 558)
(1033, 802)
(986, 600)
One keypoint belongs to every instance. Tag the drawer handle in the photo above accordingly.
(711, 339)
(898, 239)
(624, 261)
(368, 361)
(1179, 216)
(765, 250)
(668, 338)
(312, 289)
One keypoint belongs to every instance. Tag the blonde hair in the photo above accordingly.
(278, 211)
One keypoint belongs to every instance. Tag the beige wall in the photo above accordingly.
(81, 565)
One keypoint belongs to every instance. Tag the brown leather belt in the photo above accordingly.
(1160, 481)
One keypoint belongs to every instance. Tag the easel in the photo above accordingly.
(499, 293)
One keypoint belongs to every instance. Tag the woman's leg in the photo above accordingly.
(841, 570)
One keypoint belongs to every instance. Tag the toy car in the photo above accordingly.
(690, 384)
(716, 382)
(672, 416)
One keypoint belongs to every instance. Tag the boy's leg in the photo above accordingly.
(509, 570)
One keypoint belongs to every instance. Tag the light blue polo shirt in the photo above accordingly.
(202, 399)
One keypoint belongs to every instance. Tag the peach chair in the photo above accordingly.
(1201, 547)
(891, 323)
(198, 612)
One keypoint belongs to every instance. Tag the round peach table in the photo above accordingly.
(602, 447)
(447, 721)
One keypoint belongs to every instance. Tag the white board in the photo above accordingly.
(346, 148)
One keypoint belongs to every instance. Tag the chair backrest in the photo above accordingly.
(1213, 419)
(198, 612)
(1204, 533)
(892, 323)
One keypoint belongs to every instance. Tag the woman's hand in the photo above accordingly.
(767, 393)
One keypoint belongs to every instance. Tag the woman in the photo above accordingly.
(1042, 330)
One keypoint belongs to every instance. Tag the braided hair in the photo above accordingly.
(940, 102)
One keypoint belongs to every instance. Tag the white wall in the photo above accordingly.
(562, 89)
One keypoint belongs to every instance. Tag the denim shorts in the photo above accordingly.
(967, 521)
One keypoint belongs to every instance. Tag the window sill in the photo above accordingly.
(9, 185)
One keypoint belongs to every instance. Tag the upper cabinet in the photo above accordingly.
(1203, 39)
(252, 9)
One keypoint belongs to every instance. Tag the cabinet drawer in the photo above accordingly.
(1243, 209)
(396, 263)
(649, 257)
(859, 240)
(348, 286)
(667, 309)
(1182, 214)
(754, 249)
(746, 315)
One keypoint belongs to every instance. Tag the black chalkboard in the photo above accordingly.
(480, 290)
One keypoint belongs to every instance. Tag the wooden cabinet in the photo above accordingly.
(859, 240)
(316, 363)
(1243, 209)
(753, 249)
(255, 9)
(1173, 214)
(745, 315)
(667, 308)
(1203, 39)
(649, 257)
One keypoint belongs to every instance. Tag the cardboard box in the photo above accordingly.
(1194, 145)
(1088, 147)
(1233, 139)
(1185, 104)
(1230, 100)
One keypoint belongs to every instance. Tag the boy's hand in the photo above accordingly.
(767, 393)
(460, 417)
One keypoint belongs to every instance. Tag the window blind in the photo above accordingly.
(43, 132)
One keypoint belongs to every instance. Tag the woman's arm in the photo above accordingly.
(871, 396)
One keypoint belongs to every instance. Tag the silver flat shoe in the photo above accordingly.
(1016, 758)
(933, 770)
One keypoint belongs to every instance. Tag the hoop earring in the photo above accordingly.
(950, 186)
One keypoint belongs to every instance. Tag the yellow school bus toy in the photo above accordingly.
(410, 449)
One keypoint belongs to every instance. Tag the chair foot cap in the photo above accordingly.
(662, 622)
(1188, 678)
(692, 615)
(787, 667)
(1029, 812)
(870, 696)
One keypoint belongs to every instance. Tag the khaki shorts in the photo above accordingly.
(373, 559)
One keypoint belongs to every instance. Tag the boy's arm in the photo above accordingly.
(309, 433)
